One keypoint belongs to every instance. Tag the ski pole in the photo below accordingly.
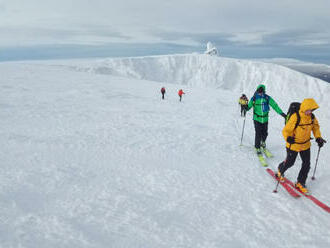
(278, 182)
(243, 130)
(278, 179)
(317, 159)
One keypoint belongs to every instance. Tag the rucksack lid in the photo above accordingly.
(293, 108)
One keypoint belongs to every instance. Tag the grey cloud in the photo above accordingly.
(102, 30)
(296, 37)
(279, 38)
(285, 43)
(2, 8)
(59, 34)
(201, 38)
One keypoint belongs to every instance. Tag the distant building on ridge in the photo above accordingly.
(211, 49)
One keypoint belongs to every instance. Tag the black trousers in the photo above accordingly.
(261, 133)
(291, 158)
(243, 110)
(163, 94)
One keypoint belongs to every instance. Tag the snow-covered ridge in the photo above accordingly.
(199, 70)
(93, 160)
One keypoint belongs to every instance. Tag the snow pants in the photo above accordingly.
(291, 158)
(261, 133)
(243, 110)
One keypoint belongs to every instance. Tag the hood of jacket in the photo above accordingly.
(308, 103)
(261, 86)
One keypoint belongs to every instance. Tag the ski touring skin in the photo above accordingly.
(285, 185)
(309, 196)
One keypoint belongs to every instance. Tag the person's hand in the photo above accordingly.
(320, 141)
(283, 115)
(290, 140)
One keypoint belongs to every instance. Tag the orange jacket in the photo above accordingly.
(180, 93)
(302, 133)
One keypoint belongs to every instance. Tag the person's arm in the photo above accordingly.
(316, 129)
(274, 105)
(250, 104)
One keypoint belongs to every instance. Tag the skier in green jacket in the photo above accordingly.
(260, 103)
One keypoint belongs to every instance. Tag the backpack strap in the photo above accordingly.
(266, 97)
(298, 120)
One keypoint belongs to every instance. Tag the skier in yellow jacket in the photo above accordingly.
(243, 101)
(298, 138)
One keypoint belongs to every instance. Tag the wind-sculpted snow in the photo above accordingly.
(206, 71)
(92, 160)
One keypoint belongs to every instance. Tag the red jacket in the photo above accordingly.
(180, 93)
(162, 90)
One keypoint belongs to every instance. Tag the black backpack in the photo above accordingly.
(294, 108)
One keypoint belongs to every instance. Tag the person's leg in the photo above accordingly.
(305, 166)
(288, 162)
(257, 139)
(264, 133)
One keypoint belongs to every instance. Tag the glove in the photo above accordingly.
(283, 115)
(320, 142)
(290, 140)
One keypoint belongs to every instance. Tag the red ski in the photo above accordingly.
(285, 185)
(312, 198)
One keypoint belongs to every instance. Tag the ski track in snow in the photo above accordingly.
(94, 160)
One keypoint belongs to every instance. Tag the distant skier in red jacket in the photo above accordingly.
(163, 92)
(180, 93)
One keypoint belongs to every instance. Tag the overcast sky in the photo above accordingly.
(250, 28)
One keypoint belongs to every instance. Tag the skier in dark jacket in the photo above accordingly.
(260, 103)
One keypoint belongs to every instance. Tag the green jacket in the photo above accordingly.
(260, 104)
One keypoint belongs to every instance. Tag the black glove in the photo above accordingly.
(284, 115)
(290, 140)
(320, 142)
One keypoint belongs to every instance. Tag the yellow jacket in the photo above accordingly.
(302, 133)
(243, 101)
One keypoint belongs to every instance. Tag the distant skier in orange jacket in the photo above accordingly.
(180, 93)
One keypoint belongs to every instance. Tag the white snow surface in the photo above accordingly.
(92, 157)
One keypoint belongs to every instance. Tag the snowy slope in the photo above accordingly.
(204, 71)
(92, 157)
